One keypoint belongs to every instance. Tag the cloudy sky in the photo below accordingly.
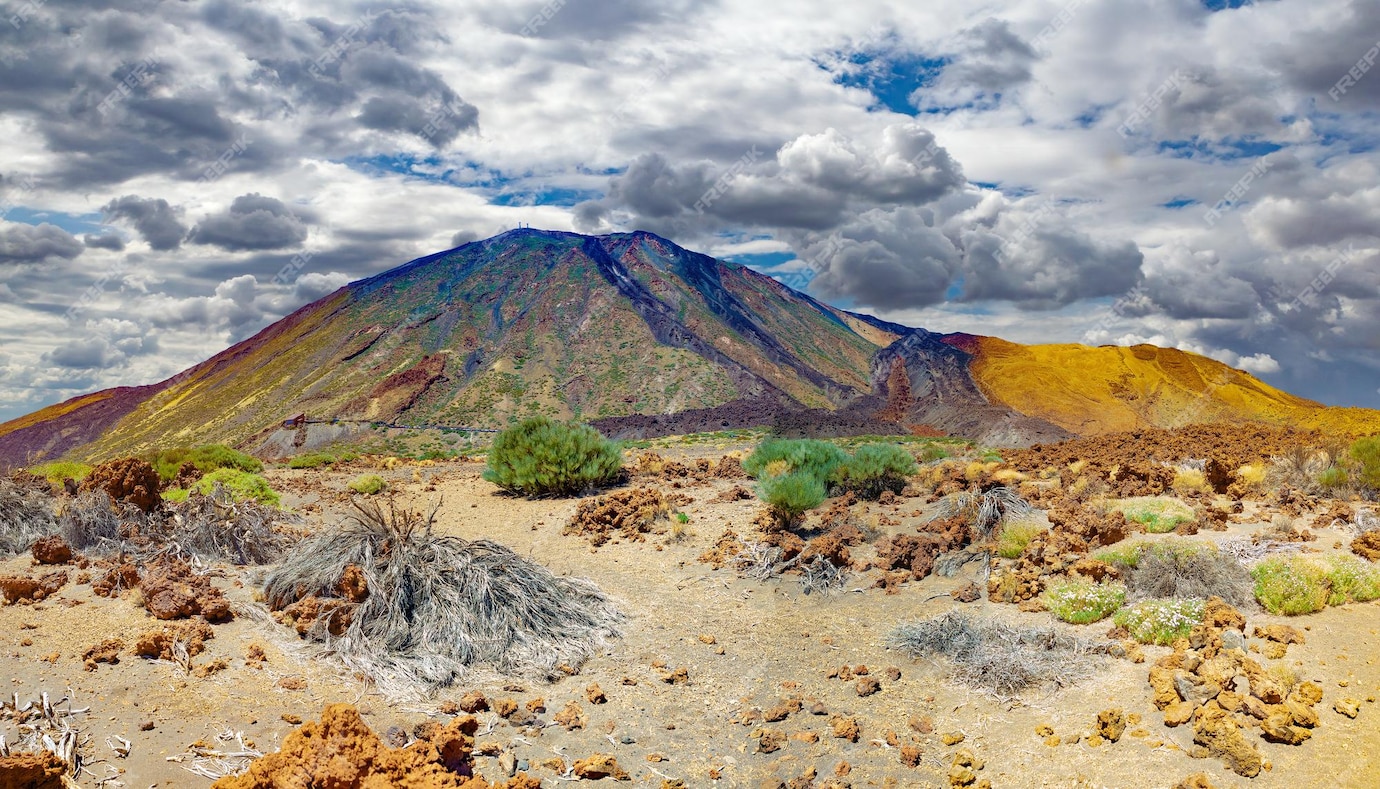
(178, 174)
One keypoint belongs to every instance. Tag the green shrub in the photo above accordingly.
(541, 457)
(1159, 514)
(368, 484)
(242, 485)
(682, 518)
(1015, 536)
(1160, 622)
(807, 456)
(1352, 580)
(59, 470)
(1083, 602)
(1304, 585)
(933, 452)
(1333, 477)
(1125, 554)
(1292, 585)
(1366, 452)
(206, 458)
(318, 459)
(874, 468)
(791, 495)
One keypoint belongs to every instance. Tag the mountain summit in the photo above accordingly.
(640, 336)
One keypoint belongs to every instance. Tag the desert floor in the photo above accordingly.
(744, 644)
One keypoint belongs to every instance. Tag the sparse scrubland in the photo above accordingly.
(577, 629)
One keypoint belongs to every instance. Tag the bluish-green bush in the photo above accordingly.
(791, 495)
(875, 468)
(542, 457)
(794, 456)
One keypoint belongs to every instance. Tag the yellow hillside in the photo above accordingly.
(1106, 389)
(52, 412)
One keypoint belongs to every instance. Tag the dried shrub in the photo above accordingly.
(984, 509)
(1001, 659)
(26, 514)
(1188, 569)
(438, 605)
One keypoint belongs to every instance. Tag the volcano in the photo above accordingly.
(640, 337)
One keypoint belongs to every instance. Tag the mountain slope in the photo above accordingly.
(642, 337)
(1089, 390)
(525, 323)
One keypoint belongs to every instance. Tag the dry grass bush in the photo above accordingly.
(435, 606)
(1001, 659)
(218, 527)
(984, 509)
(214, 527)
(1188, 569)
(26, 514)
(91, 523)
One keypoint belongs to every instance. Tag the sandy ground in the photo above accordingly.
(769, 641)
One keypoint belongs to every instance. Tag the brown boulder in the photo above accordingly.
(1215, 730)
(126, 479)
(51, 550)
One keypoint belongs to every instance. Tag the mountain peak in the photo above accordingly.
(638, 334)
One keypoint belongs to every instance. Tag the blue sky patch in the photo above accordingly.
(891, 78)
(558, 196)
(1224, 150)
(1179, 202)
(1225, 5)
(72, 223)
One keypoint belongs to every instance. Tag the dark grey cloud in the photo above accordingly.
(813, 182)
(156, 220)
(35, 243)
(463, 237)
(883, 259)
(1318, 61)
(85, 355)
(990, 57)
(1048, 268)
(253, 221)
(109, 241)
(588, 20)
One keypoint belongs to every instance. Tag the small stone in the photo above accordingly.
(1348, 707)
(600, 765)
(1277, 728)
(867, 686)
(473, 702)
(595, 695)
(1044, 730)
(1052, 740)
(953, 738)
(770, 741)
